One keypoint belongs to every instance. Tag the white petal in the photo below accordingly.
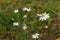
(24, 16)
(37, 37)
(28, 9)
(47, 16)
(16, 10)
(44, 18)
(15, 24)
(24, 9)
(33, 36)
(37, 34)
(38, 15)
(45, 13)
(40, 19)
(24, 27)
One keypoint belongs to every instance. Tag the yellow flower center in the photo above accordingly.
(42, 14)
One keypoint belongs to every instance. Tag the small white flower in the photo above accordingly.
(24, 27)
(16, 10)
(15, 23)
(46, 26)
(24, 16)
(35, 35)
(26, 9)
(43, 16)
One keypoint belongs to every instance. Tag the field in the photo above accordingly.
(47, 30)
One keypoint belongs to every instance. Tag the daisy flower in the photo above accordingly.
(15, 23)
(35, 35)
(16, 10)
(24, 27)
(43, 16)
(26, 9)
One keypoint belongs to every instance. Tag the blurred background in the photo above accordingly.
(9, 32)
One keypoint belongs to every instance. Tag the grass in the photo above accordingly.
(8, 32)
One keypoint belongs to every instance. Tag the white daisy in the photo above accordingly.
(25, 16)
(16, 10)
(35, 35)
(43, 16)
(15, 23)
(24, 27)
(26, 9)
